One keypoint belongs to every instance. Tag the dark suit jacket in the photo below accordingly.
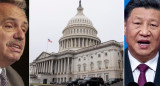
(13, 77)
(128, 76)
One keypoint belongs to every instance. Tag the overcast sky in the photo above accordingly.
(48, 18)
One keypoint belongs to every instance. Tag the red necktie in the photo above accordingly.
(142, 79)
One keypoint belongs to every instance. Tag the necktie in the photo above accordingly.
(142, 79)
(3, 78)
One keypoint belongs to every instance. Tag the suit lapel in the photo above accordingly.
(128, 76)
(157, 76)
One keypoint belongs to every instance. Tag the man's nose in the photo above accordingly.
(19, 34)
(144, 31)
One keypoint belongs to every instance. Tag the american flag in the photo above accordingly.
(49, 41)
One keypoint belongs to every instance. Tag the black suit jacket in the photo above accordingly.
(128, 76)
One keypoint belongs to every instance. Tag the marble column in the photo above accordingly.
(51, 71)
(72, 64)
(64, 66)
(79, 42)
(82, 42)
(33, 69)
(55, 66)
(49, 66)
(36, 69)
(87, 42)
(62, 45)
(46, 66)
(68, 66)
(40, 66)
(61, 65)
(43, 67)
(66, 43)
(71, 42)
(75, 42)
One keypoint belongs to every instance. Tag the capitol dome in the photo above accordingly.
(80, 18)
(78, 33)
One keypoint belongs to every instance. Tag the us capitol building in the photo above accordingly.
(81, 54)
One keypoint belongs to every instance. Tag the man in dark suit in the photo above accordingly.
(13, 27)
(142, 32)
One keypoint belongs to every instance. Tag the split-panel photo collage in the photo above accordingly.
(79, 42)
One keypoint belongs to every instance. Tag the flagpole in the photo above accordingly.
(47, 46)
(46, 49)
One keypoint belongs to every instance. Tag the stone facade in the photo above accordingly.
(81, 54)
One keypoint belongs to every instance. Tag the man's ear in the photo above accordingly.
(125, 25)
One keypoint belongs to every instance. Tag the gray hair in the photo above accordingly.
(19, 3)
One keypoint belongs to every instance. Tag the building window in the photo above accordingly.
(91, 57)
(119, 63)
(105, 54)
(79, 59)
(99, 65)
(84, 68)
(99, 75)
(84, 58)
(118, 54)
(79, 68)
(106, 77)
(106, 64)
(92, 66)
(99, 55)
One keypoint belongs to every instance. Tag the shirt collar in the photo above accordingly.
(151, 63)
(1, 70)
(134, 62)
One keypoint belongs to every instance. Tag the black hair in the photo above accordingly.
(155, 4)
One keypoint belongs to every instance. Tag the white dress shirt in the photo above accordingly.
(150, 73)
(1, 72)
